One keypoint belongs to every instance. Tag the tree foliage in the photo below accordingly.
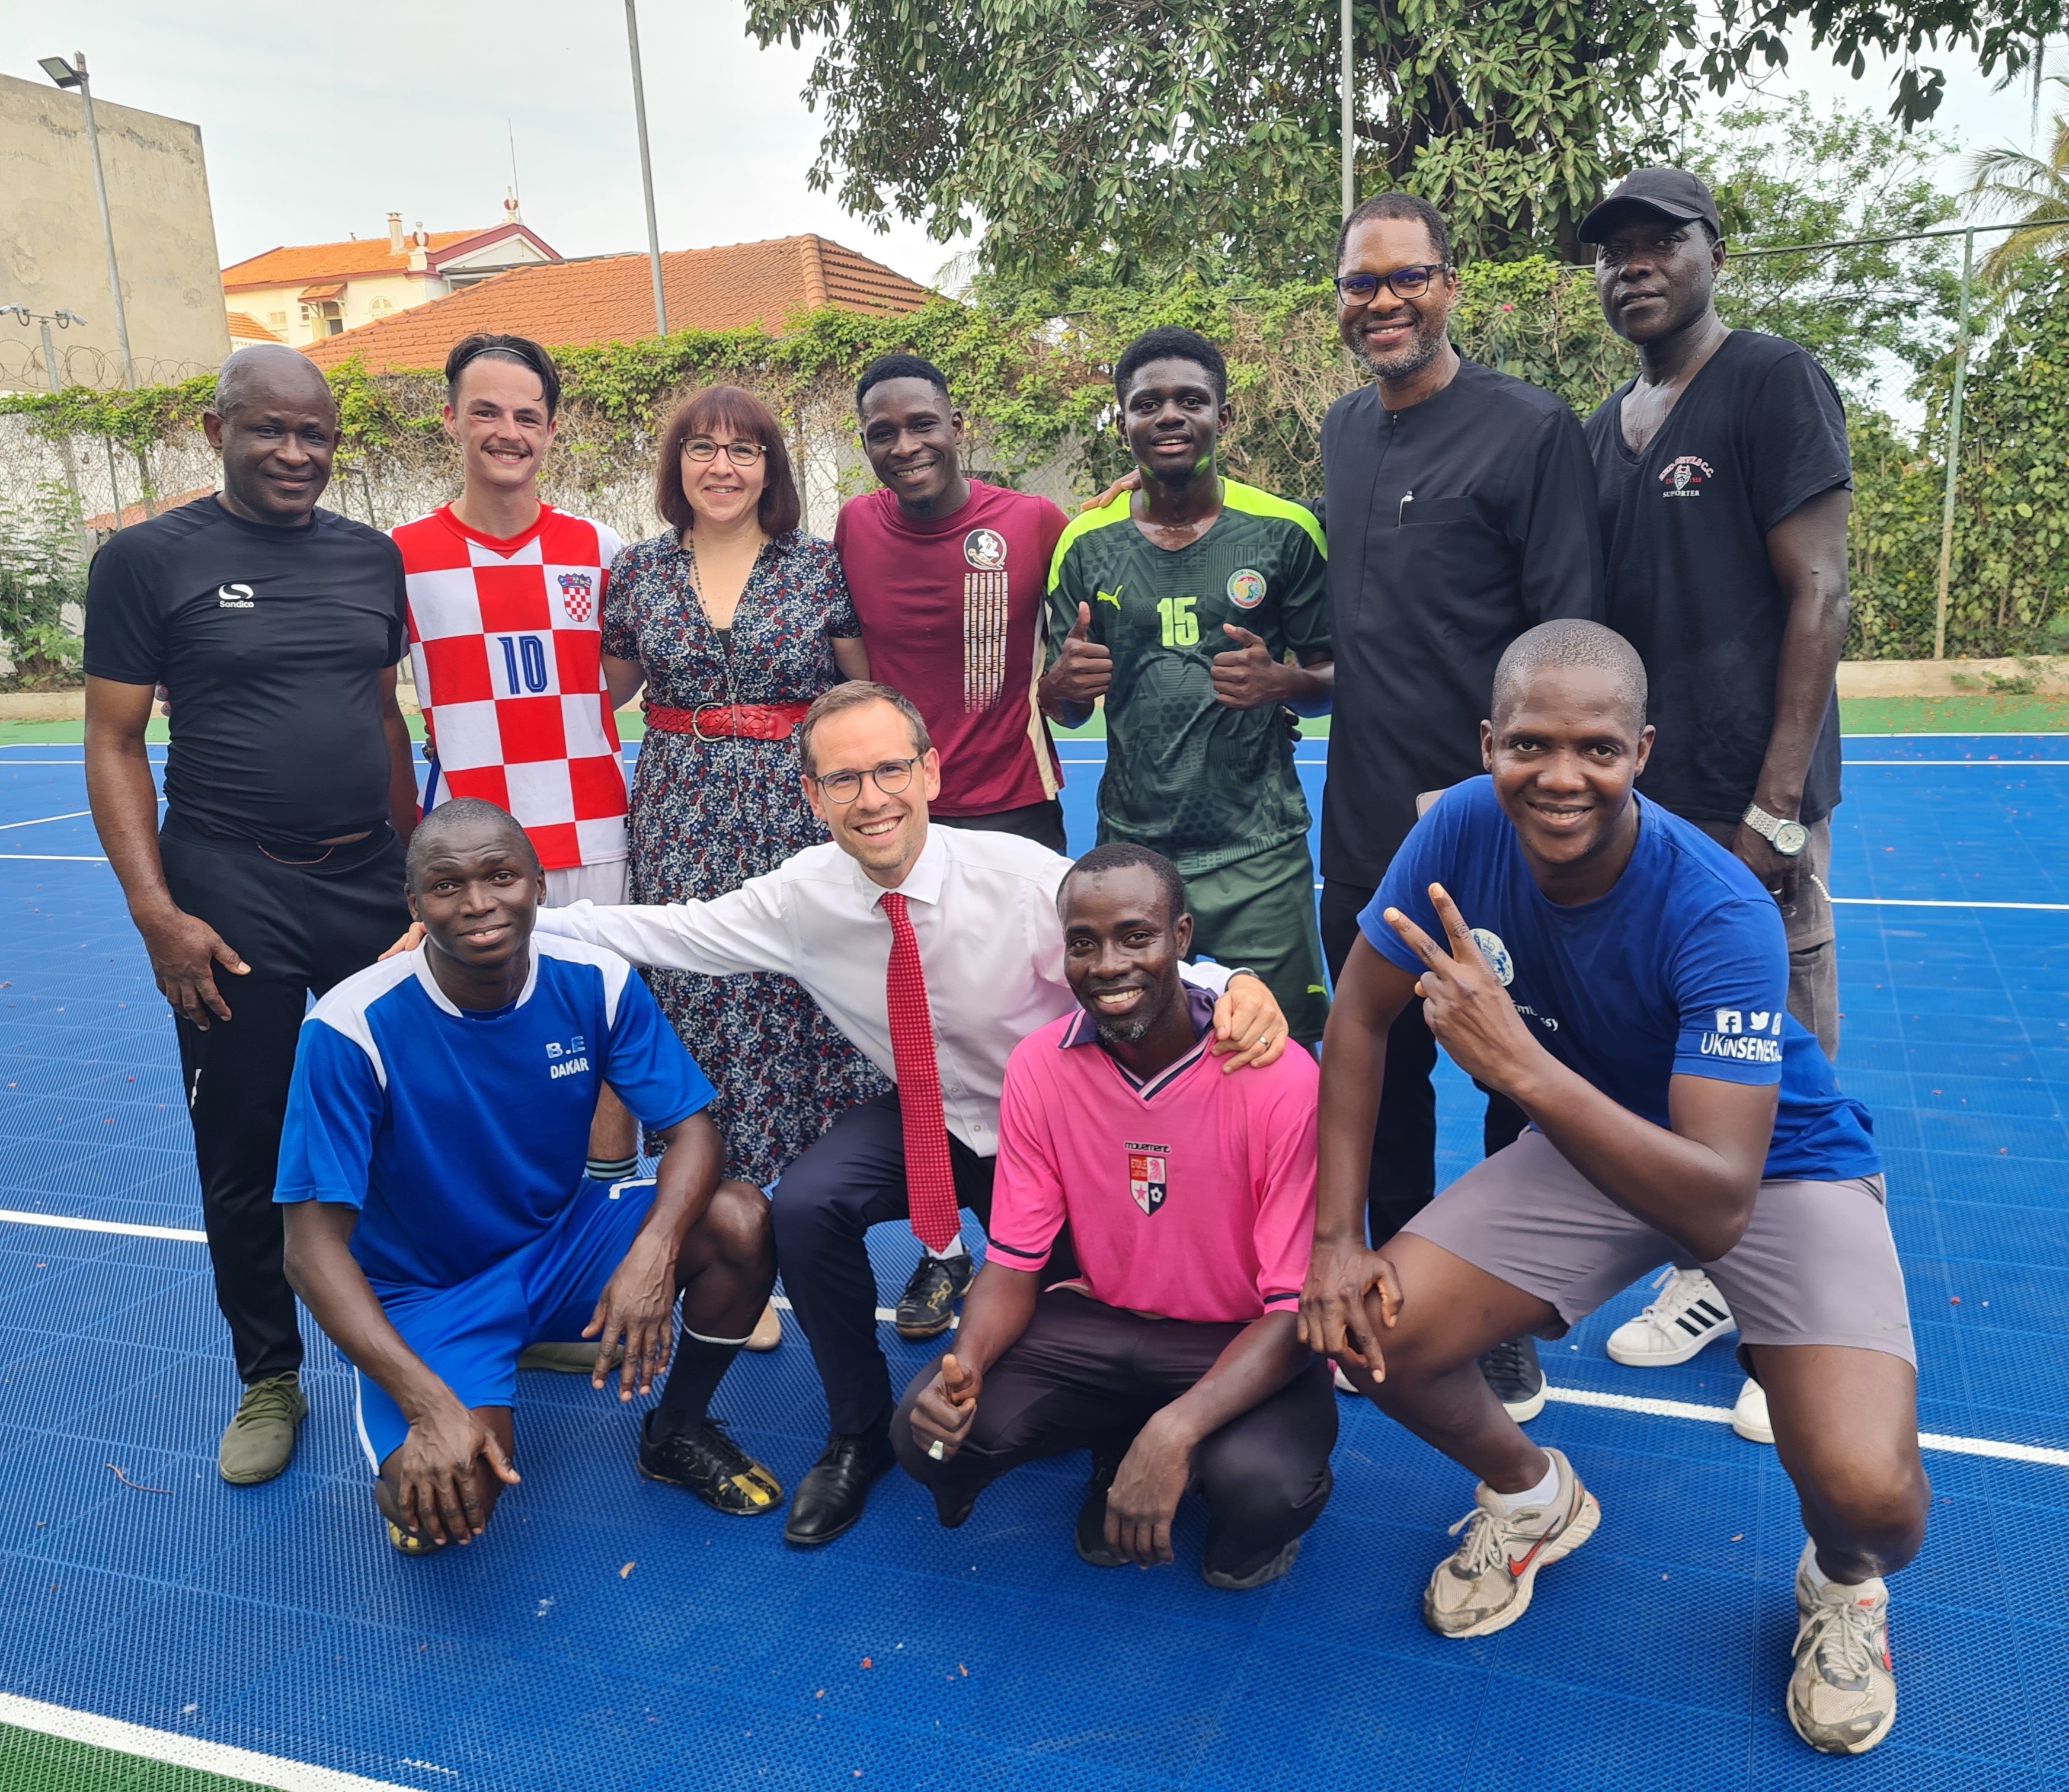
(1202, 136)
(2015, 185)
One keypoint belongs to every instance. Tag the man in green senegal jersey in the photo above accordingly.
(1198, 608)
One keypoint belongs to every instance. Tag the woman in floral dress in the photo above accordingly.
(735, 619)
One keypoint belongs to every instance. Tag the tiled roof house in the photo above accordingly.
(610, 299)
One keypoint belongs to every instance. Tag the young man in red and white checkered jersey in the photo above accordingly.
(506, 596)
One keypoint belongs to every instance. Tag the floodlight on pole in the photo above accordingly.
(73, 75)
(645, 165)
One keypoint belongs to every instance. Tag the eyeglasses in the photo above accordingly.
(891, 777)
(701, 448)
(1406, 283)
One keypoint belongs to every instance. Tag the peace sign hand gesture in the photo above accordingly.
(1463, 1000)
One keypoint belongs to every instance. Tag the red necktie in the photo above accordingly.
(930, 1185)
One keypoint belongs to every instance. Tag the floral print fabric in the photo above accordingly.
(707, 814)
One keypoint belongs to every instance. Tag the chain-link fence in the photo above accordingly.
(1974, 567)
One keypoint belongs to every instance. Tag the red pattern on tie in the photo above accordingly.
(930, 1183)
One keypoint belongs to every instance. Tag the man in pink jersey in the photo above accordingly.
(1173, 1356)
(506, 595)
(948, 577)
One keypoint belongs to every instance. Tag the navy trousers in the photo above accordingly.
(852, 1179)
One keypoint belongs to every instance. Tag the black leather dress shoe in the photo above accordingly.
(829, 1500)
(928, 1304)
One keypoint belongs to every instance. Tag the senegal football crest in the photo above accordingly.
(1148, 1175)
(1245, 588)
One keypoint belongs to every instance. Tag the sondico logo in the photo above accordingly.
(1754, 1036)
(233, 596)
(567, 1060)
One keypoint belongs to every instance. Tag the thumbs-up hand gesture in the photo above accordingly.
(1247, 677)
(1083, 672)
(943, 1414)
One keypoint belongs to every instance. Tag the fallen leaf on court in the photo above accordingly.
(1739, 1538)
(866, 1661)
(626, 1569)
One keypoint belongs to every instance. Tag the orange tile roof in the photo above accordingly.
(246, 327)
(325, 261)
(572, 304)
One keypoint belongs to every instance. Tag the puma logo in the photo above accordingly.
(1112, 597)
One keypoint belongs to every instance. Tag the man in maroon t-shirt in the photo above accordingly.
(949, 576)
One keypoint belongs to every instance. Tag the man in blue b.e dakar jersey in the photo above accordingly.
(1624, 980)
(438, 1217)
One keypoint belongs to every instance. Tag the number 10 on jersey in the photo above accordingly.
(525, 663)
(1182, 627)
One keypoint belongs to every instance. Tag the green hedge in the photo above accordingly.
(1033, 373)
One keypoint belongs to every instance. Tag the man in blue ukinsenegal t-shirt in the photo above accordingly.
(1624, 980)
(440, 1218)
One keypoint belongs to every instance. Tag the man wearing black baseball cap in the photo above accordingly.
(1725, 483)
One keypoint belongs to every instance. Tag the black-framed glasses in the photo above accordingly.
(740, 452)
(1406, 283)
(891, 777)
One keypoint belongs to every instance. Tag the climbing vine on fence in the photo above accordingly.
(1032, 369)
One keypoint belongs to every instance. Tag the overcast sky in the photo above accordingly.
(318, 124)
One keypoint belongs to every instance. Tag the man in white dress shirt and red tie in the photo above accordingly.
(936, 951)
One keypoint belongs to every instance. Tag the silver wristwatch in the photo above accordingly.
(1787, 838)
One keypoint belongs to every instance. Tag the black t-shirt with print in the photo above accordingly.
(1759, 432)
(271, 643)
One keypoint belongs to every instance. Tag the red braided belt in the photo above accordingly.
(749, 721)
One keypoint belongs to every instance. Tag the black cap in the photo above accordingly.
(1671, 192)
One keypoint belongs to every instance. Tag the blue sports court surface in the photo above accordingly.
(610, 1633)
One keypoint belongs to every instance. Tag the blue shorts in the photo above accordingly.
(471, 1334)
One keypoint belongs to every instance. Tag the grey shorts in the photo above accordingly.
(1816, 1264)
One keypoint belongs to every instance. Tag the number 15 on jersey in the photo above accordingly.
(1181, 627)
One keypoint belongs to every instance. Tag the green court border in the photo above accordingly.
(1990, 714)
(31, 1761)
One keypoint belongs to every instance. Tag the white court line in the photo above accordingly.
(1574, 1396)
(185, 1751)
(1924, 902)
(1986, 765)
(92, 857)
(127, 1231)
(1722, 1415)
(69, 815)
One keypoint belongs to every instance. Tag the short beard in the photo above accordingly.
(1423, 348)
(1127, 1030)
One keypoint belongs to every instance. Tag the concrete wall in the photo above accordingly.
(51, 256)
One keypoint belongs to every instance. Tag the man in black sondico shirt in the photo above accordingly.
(289, 788)
(1460, 511)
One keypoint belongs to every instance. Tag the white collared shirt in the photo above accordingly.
(983, 909)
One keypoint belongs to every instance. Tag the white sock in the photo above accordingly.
(957, 1249)
(1541, 1495)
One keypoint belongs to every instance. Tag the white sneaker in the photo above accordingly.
(1486, 1586)
(1749, 1417)
(1843, 1696)
(1689, 1313)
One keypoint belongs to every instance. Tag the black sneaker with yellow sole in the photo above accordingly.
(928, 1307)
(712, 1466)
